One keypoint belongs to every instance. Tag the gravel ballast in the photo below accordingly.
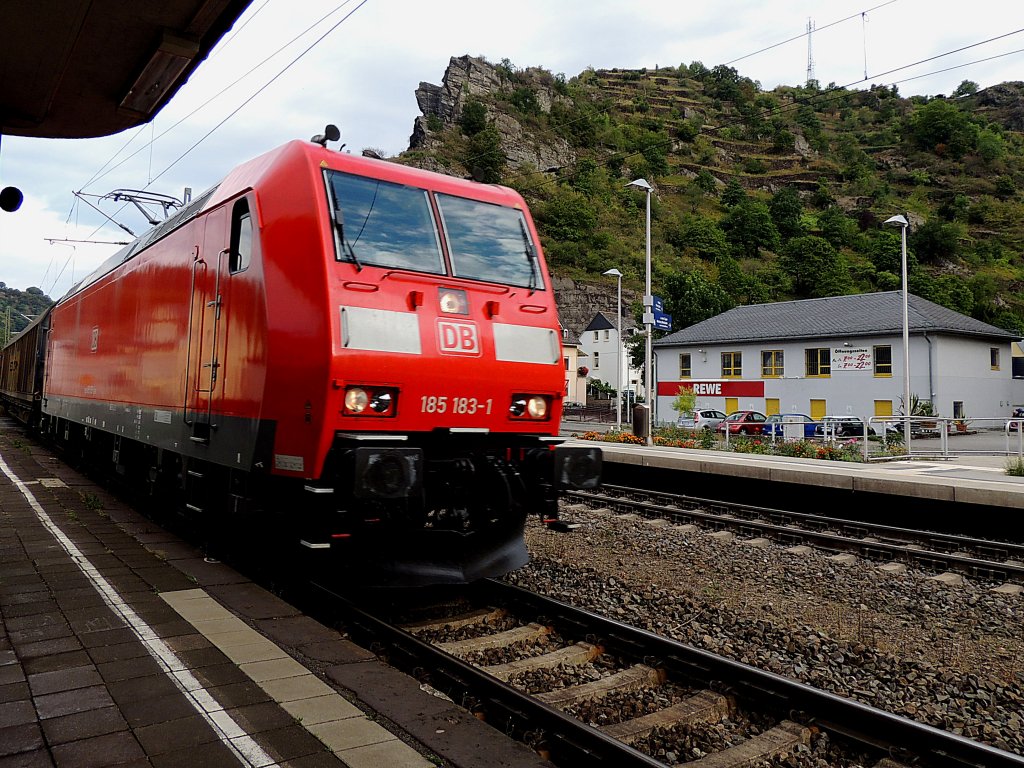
(949, 656)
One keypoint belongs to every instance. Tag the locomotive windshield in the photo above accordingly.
(489, 242)
(383, 224)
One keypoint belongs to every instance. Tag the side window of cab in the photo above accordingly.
(241, 236)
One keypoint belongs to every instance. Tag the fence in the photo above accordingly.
(930, 437)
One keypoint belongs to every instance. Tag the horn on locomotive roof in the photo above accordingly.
(331, 133)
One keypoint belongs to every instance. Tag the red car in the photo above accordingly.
(743, 423)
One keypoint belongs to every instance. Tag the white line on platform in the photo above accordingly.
(233, 736)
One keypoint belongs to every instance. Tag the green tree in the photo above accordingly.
(690, 297)
(733, 194)
(786, 210)
(816, 267)
(836, 227)
(943, 128)
(966, 88)
(749, 228)
(990, 146)
(567, 216)
(885, 249)
(473, 118)
(485, 157)
(936, 240)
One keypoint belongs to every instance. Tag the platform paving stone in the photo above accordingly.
(20, 739)
(98, 751)
(84, 725)
(173, 735)
(157, 709)
(14, 692)
(64, 680)
(211, 755)
(17, 713)
(70, 702)
(67, 660)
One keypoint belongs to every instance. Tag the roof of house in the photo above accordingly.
(866, 314)
(599, 323)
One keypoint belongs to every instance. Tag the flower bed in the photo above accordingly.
(673, 437)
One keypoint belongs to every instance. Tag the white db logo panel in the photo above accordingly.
(454, 338)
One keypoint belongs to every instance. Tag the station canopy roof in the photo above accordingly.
(86, 68)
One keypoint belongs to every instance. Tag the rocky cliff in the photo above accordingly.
(470, 78)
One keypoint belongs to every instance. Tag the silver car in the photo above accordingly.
(701, 418)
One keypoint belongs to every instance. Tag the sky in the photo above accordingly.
(360, 66)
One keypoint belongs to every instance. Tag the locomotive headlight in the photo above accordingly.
(381, 402)
(453, 301)
(356, 400)
(528, 407)
(537, 407)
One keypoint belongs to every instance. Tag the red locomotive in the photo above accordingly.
(364, 352)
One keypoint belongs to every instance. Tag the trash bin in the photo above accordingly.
(640, 421)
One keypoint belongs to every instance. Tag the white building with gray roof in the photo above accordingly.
(839, 356)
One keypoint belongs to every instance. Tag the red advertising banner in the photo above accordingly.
(713, 388)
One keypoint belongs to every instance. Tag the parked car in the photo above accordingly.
(701, 418)
(743, 423)
(842, 426)
(775, 425)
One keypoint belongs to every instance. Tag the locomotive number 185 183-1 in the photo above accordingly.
(461, 405)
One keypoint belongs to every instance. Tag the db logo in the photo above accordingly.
(457, 338)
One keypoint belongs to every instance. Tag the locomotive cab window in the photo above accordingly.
(490, 242)
(241, 236)
(383, 224)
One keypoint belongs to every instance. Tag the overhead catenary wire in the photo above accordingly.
(244, 103)
(260, 90)
(831, 94)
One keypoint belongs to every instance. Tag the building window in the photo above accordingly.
(606, 336)
(993, 354)
(732, 364)
(565, 334)
(684, 366)
(771, 363)
(597, 335)
(566, 360)
(818, 362)
(883, 360)
(597, 360)
(958, 409)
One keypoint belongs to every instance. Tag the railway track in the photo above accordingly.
(979, 558)
(543, 672)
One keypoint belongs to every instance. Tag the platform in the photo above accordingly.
(974, 481)
(121, 645)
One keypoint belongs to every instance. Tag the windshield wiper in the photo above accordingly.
(531, 256)
(346, 247)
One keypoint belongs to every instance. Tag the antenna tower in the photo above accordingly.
(810, 57)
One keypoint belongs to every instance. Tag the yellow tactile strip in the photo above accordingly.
(342, 727)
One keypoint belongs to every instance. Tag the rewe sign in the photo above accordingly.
(713, 388)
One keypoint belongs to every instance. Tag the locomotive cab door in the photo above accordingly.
(209, 268)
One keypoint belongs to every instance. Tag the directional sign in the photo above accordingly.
(662, 321)
(659, 305)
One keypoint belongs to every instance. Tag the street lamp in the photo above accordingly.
(902, 222)
(618, 352)
(648, 311)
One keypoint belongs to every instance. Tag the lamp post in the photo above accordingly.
(902, 222)
(648, 311)
(618, 351)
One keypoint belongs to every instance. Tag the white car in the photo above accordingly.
(700, 418)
